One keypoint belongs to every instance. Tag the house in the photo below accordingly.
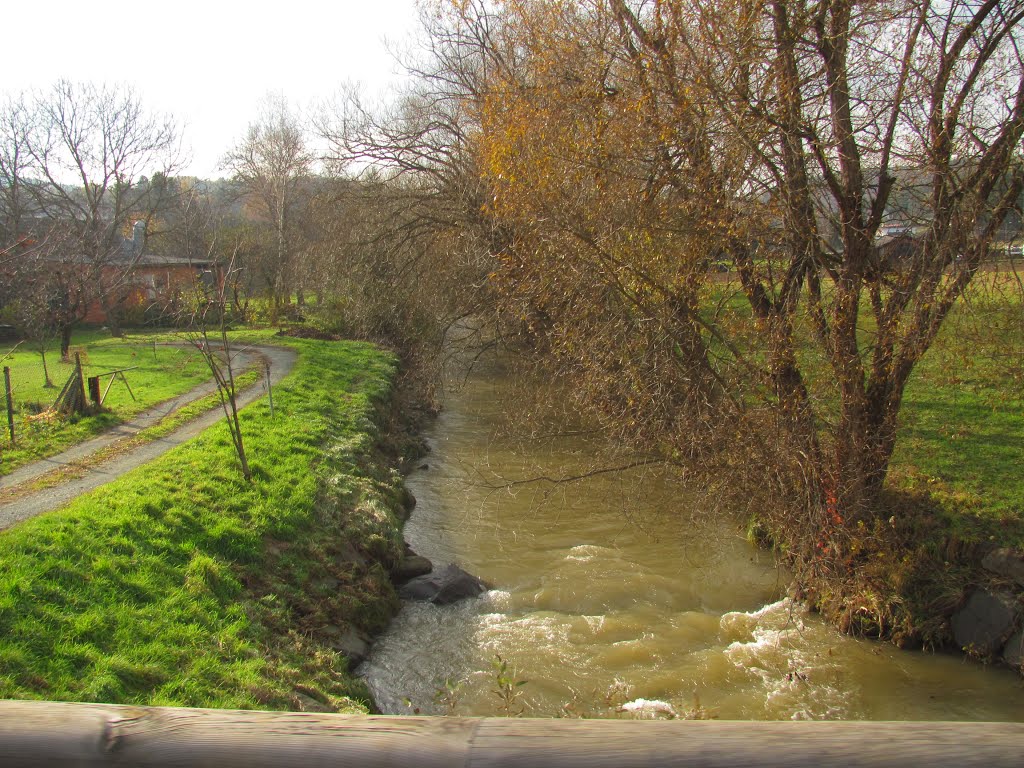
(141, 286)
(148, 284)
(897, 249)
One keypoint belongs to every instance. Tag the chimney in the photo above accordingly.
(138, 237)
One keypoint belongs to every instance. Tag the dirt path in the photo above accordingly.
(18, 502)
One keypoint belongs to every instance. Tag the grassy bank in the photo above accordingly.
(180, 584)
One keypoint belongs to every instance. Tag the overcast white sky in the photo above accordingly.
(208, 63)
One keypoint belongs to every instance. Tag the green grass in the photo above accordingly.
(962, 425)
(161, 373)
(180, 584)
(163, 427)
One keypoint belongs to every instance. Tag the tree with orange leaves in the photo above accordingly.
(738, 226)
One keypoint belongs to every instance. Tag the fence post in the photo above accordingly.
(94, 390)
(270, 391)
(81, 381)
(10, 402)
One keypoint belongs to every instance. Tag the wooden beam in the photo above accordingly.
(49, 734)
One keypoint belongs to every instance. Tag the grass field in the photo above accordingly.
(181, 584)
(962, 426)
(159, 373)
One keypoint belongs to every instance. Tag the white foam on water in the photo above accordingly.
(586, 553)
(780, 609)
(775, 649)
(497, 598)
(649, 708)
(498, 633)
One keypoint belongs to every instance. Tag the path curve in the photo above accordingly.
(80, 452)
(23, 506)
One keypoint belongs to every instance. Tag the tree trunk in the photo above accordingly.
(864, 448)
(114, 324)
(65, 342)
(113, 313)
(281, 283)
(274, 307)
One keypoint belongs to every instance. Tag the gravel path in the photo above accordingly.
(16, 506)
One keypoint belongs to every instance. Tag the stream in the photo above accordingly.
(613, 589)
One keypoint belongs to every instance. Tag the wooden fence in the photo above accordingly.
(48, 734)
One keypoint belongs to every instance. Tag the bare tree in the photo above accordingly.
(853, 117)
(270, 164)
(207, 332)
(183, 224)
(37, 299)
(88, 147)
(410, 245)
(633, 150)
(15, 122)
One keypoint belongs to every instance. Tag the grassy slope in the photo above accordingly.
(179, 584)
(157, 377)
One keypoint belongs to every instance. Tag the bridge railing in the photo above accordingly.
(45, 734)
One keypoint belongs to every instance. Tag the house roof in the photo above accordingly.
(153, 260)
(122, 260)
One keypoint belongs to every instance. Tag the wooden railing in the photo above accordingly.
(44, 734)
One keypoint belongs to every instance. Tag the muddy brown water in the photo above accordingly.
(613, 589)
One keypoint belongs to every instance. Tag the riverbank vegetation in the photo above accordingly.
(182, 584)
